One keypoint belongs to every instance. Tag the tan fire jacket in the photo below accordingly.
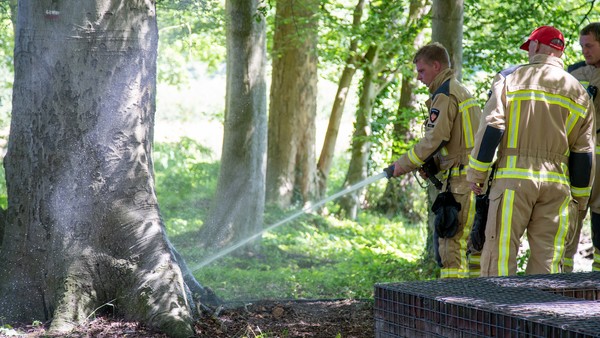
(589, 76)
(541, 120)
(449, 130)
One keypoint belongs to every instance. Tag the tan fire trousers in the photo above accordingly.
(456, 260)
(544, 209)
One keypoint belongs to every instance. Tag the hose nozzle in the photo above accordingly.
(389, 171)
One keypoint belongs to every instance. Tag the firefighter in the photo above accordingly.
(453, 117)
(588, 73)
(541, 122)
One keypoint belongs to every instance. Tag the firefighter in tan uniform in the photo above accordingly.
(541, 121)
(588, 73)
(449, 135)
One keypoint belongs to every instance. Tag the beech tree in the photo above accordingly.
(291, 158)
(239, 201)
(84, 229)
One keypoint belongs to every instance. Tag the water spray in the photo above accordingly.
(387, 173)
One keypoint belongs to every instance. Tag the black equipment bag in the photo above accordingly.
(446, 210)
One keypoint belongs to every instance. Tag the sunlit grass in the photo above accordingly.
(310, 257)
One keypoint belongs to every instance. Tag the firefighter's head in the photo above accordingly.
(431, 60)
(589, 39)
(545, 40)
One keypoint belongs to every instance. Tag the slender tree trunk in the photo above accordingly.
(291, 160)
(361, 144)
(84, 229)
(239, 202)
(377, 75)
(447, 28)
(337, 110)
(397, 199)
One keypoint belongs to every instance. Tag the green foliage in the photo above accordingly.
(318, 257)
(6, 65)
(189, 31)
(310, 257)
(490, 47)
(185, 183)
(3, 193)
(522, 260)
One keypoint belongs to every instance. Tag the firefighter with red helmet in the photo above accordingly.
(538, 128)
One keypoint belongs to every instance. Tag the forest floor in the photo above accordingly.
(262, 318)
(319, 319)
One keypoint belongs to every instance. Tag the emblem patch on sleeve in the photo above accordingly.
(433, 114)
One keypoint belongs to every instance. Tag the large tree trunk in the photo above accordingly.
(84, 228)
(239, 202)
(337, 109)
(291, 160)
(447, 28)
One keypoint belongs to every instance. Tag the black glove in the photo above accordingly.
(446, 211)
(482, 203)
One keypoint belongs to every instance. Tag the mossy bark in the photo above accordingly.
(84, 231)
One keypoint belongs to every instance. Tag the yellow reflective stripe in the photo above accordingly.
(453, 273)
(526, 174)
(475, 259)
(570, 123)
(467, 231)
(414, 159)
(444, 151)
(478, 165)
(561, 235)
(538, 95)
(581, 192)
(568, 261)
(511, 161)
(513, 124)
(597, 150)
(466, 121)
(458, 171)
(474, 273)
(505, 230)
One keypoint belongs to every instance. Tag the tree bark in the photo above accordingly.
(84, 229)
(378, 72)
(361, 144)
(447, 29)
(239, 201)
(291, 155)
(337, 110)
(397, 198)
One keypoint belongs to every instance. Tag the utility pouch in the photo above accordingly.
(482, 203)
(446, 210)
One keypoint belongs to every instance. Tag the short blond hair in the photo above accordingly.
(434, 51)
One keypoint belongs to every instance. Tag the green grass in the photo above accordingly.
(310, 257)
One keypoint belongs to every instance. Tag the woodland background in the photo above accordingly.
(335, 102)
